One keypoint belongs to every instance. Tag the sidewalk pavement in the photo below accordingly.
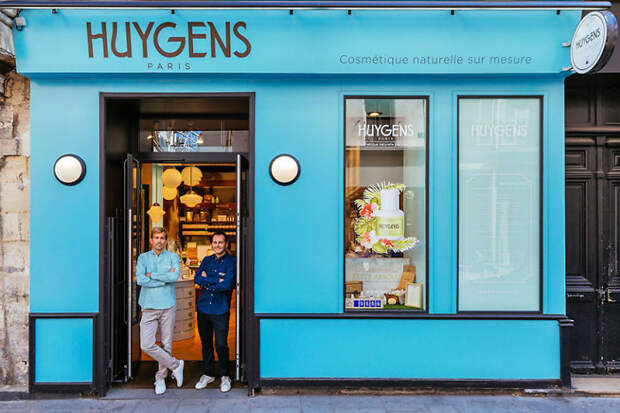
(596, 385)
(237, 401)
(600, 394)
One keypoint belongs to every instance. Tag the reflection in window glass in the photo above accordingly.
(499, 204)
(385, 204)
(194, 135)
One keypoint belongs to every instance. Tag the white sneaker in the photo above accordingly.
(225, 384)
(178, 373)
(160, 386)
(204, 380)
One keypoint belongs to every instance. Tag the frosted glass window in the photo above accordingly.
(499, 220)
(385, 203)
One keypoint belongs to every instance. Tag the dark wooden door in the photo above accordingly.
(592, 221)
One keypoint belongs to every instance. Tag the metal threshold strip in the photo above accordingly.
(311, 4)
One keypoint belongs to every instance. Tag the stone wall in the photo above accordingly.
(14, 228)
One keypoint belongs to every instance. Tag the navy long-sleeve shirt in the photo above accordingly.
(217, 286)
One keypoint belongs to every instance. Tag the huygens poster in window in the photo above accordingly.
(499, 204)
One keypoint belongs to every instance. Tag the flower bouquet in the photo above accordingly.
(365, 225)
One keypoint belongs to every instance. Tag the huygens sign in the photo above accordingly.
(307, 42)
(167, 40)
(593, 42)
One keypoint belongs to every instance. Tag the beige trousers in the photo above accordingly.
(151, 320)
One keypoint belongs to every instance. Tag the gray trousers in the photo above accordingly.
(151, 320)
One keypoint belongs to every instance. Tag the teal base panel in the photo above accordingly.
(410, 349)
(63, 350)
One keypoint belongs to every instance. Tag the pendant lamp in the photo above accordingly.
(171, 178)
(191, 175)
(191, 199)
(169, 193)
(156, 212)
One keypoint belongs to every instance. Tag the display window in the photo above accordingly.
(499, 202)
(385, 242)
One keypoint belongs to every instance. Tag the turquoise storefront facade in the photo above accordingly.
(300, 67)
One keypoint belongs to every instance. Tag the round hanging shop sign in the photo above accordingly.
(69, 169)
(593, 41)
(284, 169)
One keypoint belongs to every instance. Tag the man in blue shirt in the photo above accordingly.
(216, 278)
(157, 272)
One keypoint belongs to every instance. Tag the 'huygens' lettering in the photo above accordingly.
(103, 36)
(127, 52)
(161, 51)
(589, 37)
(144, 36)
(216, 37)
(385, 130)
(168, 39)
(245, 41)
(191, 36)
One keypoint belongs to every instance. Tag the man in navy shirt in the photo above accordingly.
(216, 278)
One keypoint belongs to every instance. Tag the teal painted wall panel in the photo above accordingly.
(298, 241)
(442, 201)
(64, 350)
(64, 220)
(554, 251)
(430, 349)
(297, 235)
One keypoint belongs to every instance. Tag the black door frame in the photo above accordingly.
(250, 344)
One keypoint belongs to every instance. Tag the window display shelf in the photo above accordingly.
(205, 233)
(217, 184)
(401, 307)
(210, 205)
(210, 225)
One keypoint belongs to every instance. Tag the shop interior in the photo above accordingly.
(191, 201)
(182, 176)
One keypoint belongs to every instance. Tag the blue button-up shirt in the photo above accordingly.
(157, 290)
(217, 286)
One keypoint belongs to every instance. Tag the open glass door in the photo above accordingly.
(241, 258)
(115, 268)
(133, 230)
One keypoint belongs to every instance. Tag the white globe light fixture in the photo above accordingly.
(169, 193)
(171, 178)
(156, 212)
(191, 176)
(69, 169)
(191, 199)
(284, 169)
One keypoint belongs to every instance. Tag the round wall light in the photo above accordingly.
(284, 169)
(69, 169)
